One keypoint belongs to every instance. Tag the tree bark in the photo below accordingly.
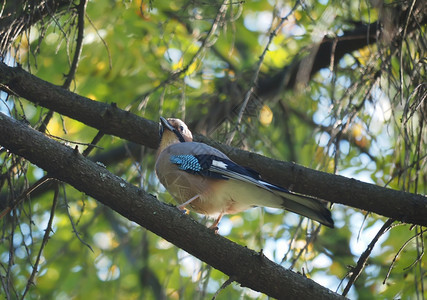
(386, 32)
(402, 206)
(249, 268)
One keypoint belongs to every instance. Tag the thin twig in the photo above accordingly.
(110, 59)
(11, 257)
(419, 240)
(47, 232)
(256, 74)
(420, 254)
(398, 253)
(293, 239)
(46, 121)
(356, 271)
(309, 240)
(223, 286)
(205, 271)
(91, 145)
(81, 10)
(24, 195)
(329, 129)
(72, 221)
(206, 43)
(39, 183)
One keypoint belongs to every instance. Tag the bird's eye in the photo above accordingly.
(181, 128)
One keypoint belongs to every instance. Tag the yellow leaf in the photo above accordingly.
(265, 115)
(364, 54)
(356, 131)
(191, 68)
(178, 65)
(101, 65)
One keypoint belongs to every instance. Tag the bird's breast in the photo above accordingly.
(216, 196)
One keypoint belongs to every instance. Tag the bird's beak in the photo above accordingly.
(164, 124)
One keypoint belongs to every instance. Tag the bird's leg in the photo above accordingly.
(214, 226)
(183, 205)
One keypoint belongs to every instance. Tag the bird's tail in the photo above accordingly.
(306, 206)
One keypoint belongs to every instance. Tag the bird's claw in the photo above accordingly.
(215, 228)
(183, 210)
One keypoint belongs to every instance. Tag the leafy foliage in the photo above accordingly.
(364, 116)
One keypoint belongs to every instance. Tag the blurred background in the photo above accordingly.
(336, 86)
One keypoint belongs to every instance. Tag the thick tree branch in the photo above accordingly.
(398, 205)
(104, 117)
(249, 268)
(321, 56)
(325, 54)
(330, 51)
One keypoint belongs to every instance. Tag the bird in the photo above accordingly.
(210, 183)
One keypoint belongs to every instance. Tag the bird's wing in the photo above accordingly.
(201, 159)
(216, 167)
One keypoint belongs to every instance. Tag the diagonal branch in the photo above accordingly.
(398, 205)
(323, 55)
(81, 8)
(249, 268)
(363, 259)
(105, 117)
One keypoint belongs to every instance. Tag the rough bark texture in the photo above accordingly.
(398, 205)
(386, 33)
(405, 207)
(249, 268)
(104, 117)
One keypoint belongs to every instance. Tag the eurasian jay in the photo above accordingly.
(204, 178)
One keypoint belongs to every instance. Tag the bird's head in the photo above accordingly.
(173, 131)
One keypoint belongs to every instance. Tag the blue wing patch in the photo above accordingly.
(221, 168)
(186, 162)
(214, 167)
(196, 164)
